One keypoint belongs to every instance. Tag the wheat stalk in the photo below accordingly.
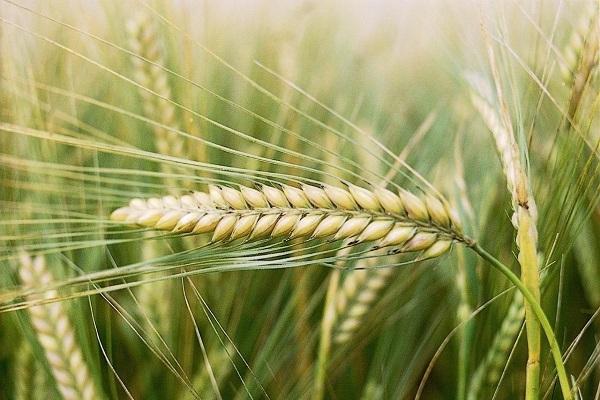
(524, 218)
(489, 370)
(56, 335)
(403, 222)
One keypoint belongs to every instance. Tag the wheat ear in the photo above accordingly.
(362, 286)
(30, 378)
(358, 293)
(402, 222)
(581, 57)
(582, 36)
(56, 336)
(145, 42)
(489, 370)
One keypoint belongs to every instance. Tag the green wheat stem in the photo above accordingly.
(537, 310)
(467, 334)
(325, 342)
(530, 276)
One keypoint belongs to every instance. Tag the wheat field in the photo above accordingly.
(299, 199)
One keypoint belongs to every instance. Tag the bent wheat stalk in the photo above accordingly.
(56, 335)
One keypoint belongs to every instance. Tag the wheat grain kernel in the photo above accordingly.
(397, 236)
(169, 219)
(329, 226)
(204, 199)
(306, 225)
(340, 197)
(254, 197)
(365, 198)
(224, 227)
(187, 201)
(244, 226)
(264, 225)
(155, 202)
(120, 214)
(317, 196)
(207, 223)
(216, 197)
(171, 202)
(275, 197)
(234, 198)
(138, 204)
(188, 222)
(296, 197)
(437, 249)
(415, 208)
(352, 227)
(376, 230)
(150, 217)
(285, 224)
(437, 211)
(390, 201)
(421, 241)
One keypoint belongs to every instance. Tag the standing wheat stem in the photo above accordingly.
(524, 218)
(56, 335)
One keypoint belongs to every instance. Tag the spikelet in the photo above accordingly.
(56, 335)
(405, 221)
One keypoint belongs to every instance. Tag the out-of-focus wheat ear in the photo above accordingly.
(490, 369)
(30, 381)
(360, 289)
(56, 335)
(145, 41)
(581, 57)
(582, 35)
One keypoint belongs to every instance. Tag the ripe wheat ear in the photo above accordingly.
(56, 335)
(402, 222)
